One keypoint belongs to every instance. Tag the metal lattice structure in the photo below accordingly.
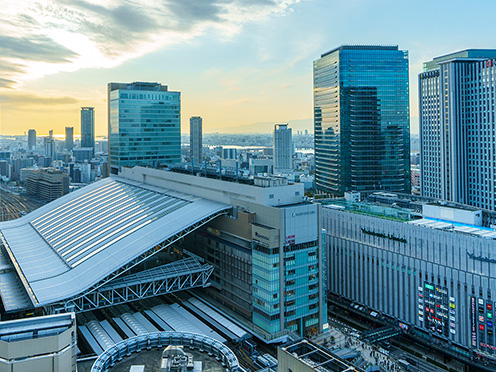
(180, 275)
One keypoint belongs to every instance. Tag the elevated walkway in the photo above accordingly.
(381, 334)
(180, 275)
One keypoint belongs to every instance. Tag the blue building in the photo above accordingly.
(362, 124)
(144, 125)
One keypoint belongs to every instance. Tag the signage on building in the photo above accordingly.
(473, 319)
(261, 236)
(290, 239)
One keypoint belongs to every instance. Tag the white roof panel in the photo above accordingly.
(72, 243)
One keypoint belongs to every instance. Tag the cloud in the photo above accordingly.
(19, 99)
(42, 37)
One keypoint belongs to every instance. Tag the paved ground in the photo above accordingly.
(346, 336)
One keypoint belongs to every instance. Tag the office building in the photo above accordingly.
(283, 149)
(88, 127)
(456, 104)
(362, 123)
(229, 153)
(49, 144)
(31, 140)
(427, 265)
(144, 125)
(195, 139)
(47, 183)
(82, 154)
(45, 343)
(69, 138)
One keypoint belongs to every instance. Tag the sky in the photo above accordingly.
(241, 64)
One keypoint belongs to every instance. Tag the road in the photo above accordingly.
(13, 206)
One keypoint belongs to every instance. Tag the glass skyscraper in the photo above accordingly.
(362, 123)
(88, 127)
(144, 125)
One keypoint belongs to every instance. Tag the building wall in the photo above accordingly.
(362, 125)
(55, 353)
(217, 190)
(283, 149)
(268, 251)
(398, 268)
(287, 362)
(88, 127)
(144, 125)
(195, 138)
(457, 95)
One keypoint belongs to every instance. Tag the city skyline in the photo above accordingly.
(255, 65)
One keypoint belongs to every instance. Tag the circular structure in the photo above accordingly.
(147, 341)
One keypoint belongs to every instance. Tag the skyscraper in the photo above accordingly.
(195, 138)
(31, 139)
(457, 127)
(144, 125)
(362, 124)
(88, 127)
(283, 149)
(49, 144)
(69, 138)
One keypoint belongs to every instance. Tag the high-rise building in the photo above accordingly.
(144, 125)
(69, 138)
(362, 123)
(88, 127)
(50, 134)
(456, 104)
(283, 149)
(195, 138)
(49, 144)
(31, 139)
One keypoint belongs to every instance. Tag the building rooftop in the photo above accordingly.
(467, 54)
(67, 246)
(29, 328)
(361, 47)
(420, 212)
(318, 358)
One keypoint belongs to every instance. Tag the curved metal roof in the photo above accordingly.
(69, 245)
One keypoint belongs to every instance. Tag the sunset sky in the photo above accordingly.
(236, 63)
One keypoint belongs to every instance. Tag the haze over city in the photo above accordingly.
(235, 63)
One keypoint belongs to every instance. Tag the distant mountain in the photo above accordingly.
(268, 127)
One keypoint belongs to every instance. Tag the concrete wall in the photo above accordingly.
(216, 190)
(47, 354)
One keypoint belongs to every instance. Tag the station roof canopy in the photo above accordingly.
(71, 244)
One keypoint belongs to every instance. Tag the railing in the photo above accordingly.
(147, 341)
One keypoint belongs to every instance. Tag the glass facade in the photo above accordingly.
(144, 125)
(88, 127)
(362, 124)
